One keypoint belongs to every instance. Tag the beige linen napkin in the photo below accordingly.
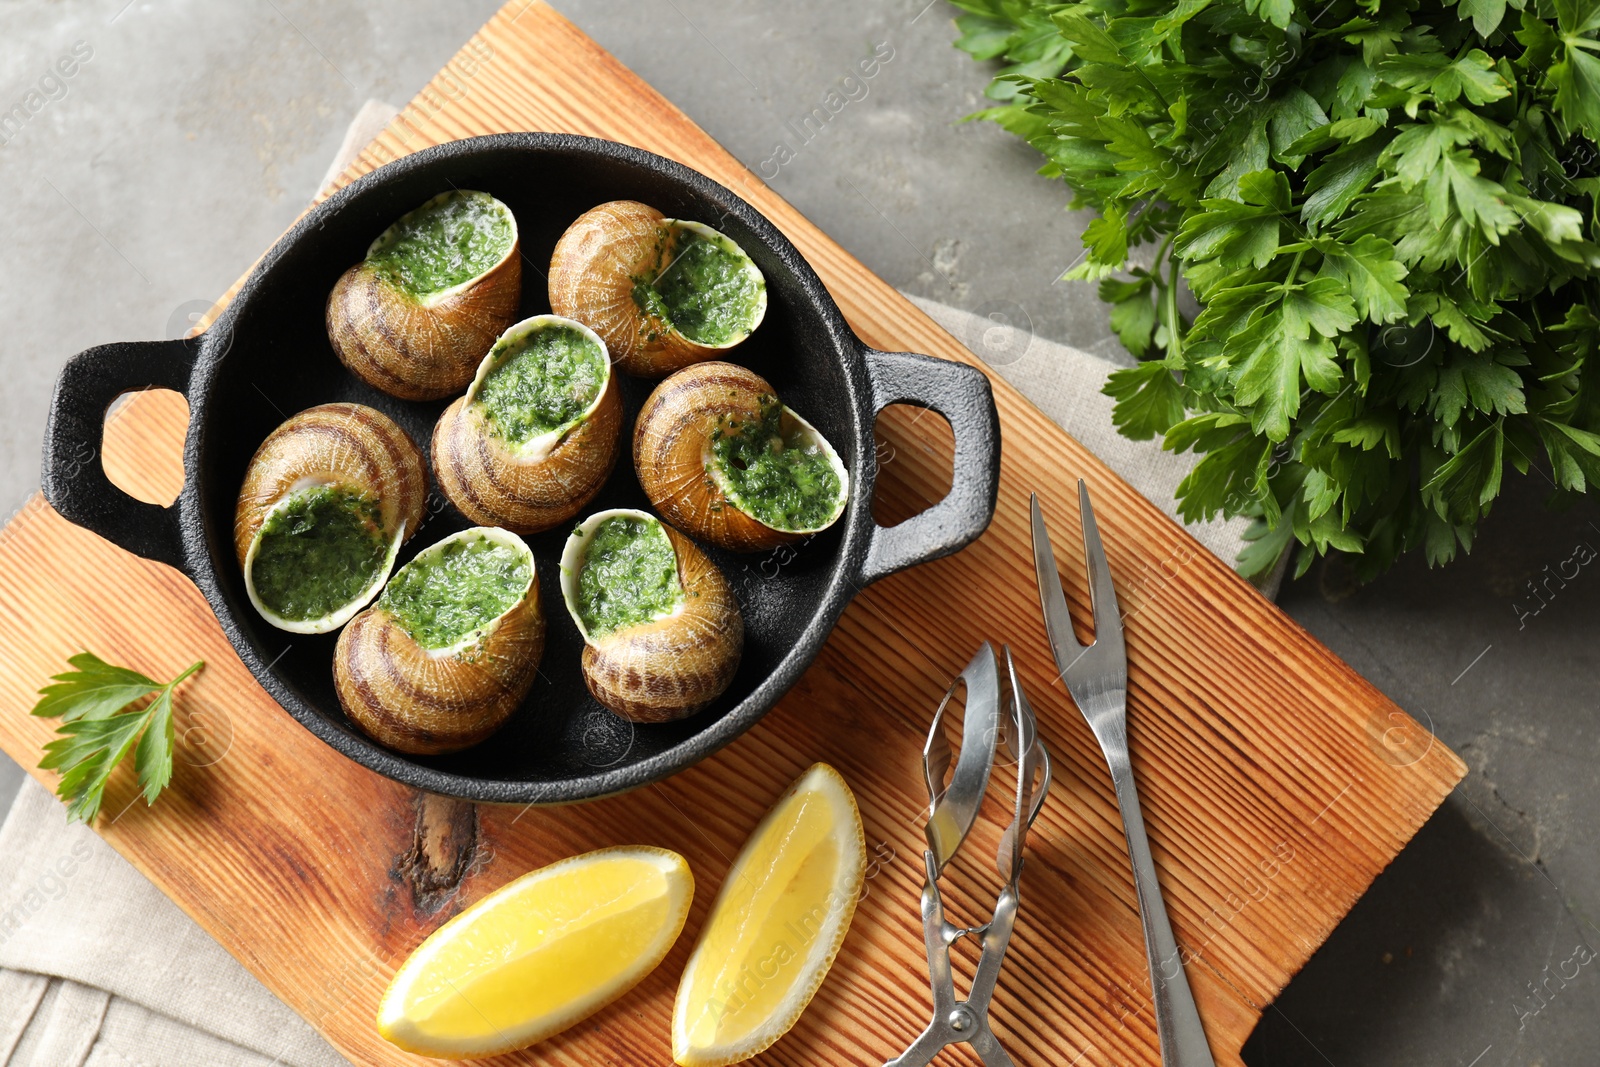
(99, 969)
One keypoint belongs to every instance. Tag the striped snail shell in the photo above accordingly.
(667, 663)
(705, 435)
(425, 670)
(489, 465)
(435, 289)
(328, 499)
(664, 293)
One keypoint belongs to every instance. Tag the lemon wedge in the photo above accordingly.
(538, 954)
(775, 927)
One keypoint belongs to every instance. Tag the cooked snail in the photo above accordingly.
(537, 434)
(435, 289)
(449, 650)
(721, 459)
(664, 293)
(662, 633)
(327, 501)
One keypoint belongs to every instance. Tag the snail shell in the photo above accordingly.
(681, 473)
(432, 700)
(611, 256)
(423, 345)
(674, 664)
(348, 448)
(542, 482)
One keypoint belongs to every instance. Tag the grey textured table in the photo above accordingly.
(191, 133)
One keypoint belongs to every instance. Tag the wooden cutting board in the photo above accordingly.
(1276, 782)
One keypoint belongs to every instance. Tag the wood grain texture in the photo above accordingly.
(1276, 783)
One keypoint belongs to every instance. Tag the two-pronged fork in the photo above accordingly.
(1097, 677)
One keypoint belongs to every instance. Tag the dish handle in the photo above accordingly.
(961, 394)
(74, 479)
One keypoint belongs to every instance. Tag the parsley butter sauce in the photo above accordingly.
(629, 576)
(456, 587)
(783, 479)
(705, 290)
(318, 550)
(450, 240)
(541, 381)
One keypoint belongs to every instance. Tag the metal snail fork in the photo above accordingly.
(1097, 677)
(997, 714)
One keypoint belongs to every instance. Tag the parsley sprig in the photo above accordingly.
(1387, 211)
(98, 729)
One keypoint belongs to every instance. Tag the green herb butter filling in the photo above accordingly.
(447, 241)
(785, 480)
(629, 575)
(706, 291)
(541, 381)
(456, 587)
(318, 551)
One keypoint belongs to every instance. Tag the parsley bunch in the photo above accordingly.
(1386, 210)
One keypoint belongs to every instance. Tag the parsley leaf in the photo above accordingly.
(97, 730)
(1149, 399)
(1485, 14)
(1367, 270)
(1133, 314)
(1472, 74)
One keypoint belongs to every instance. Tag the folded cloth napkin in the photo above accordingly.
(99, 969)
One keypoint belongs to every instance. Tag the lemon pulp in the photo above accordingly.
(775, 927)
(539, 954)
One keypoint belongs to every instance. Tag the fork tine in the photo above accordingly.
(1057, 620)
(1102, 594)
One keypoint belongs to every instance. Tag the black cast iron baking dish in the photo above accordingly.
(268, 357)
